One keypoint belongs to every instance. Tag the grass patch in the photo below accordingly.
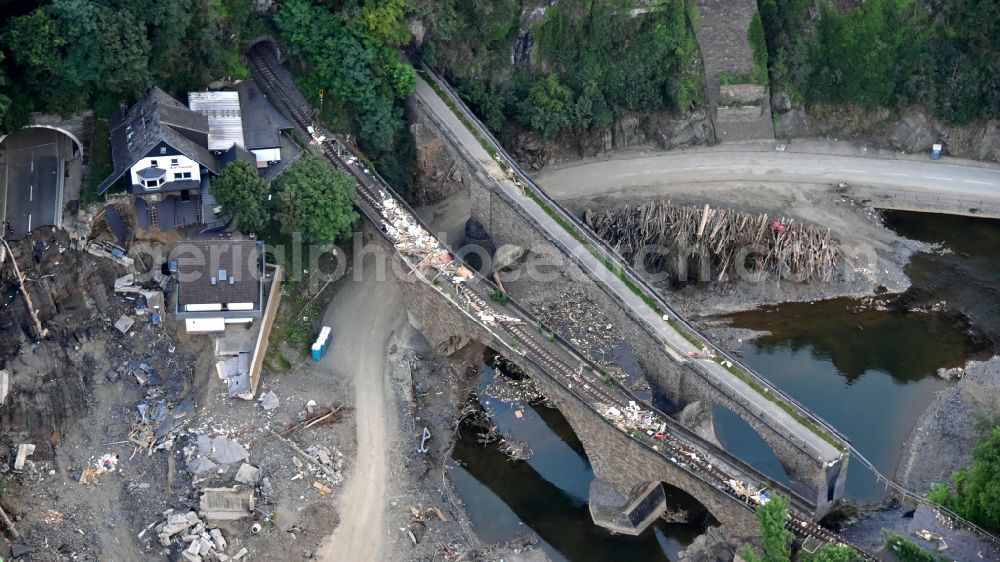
(99, 163)
(907, 551)
(297, 324)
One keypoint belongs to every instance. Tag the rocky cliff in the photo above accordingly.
(913, 130)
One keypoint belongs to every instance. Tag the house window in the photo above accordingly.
(182, 176)
(173, 161)
(152, 164)
(163, 150)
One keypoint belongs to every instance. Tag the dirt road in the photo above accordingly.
(362, 317)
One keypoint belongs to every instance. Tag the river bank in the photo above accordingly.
(947, 432)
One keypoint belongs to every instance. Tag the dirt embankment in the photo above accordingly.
(949, 429)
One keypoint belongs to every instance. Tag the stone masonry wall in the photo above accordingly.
(677, 382)
(509, 225)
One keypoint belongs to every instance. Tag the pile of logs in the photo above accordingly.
(717, 244)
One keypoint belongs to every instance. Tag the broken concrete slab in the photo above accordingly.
(124, 323)
(201, 465)
(227, 451)
(218, 539)
(248, 474)
(226, 504)
(176, 523)
(4, 385)
(24, 450)
(204, 444)
(269, 401)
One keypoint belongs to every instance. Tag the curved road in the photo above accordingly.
(362, 317)
(950, 178)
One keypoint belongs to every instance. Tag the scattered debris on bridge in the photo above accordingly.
(675, 238)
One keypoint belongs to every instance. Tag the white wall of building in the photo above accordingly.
(183, 165)
(267, 154)
(202, 325)
(211, 307)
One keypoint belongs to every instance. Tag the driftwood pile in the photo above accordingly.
(717, 244)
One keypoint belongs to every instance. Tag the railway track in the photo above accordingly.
(586, 380)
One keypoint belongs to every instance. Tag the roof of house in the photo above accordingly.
(222, 108)
(154, 119)
(262, 124)
(198, 262)
(236, 152)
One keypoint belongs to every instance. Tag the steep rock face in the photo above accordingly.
(629, 131)
(914, 130)
(713, 546)
(947, 433)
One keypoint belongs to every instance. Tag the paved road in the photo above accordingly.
(33, 186)
(677, 345)
(359, 348)
(948, 178)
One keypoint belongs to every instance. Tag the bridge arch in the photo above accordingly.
(741, 439)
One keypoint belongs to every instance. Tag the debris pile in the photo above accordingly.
(203, 543)
(158, 422)
(736, 243)
(414, 241)
(235, 371)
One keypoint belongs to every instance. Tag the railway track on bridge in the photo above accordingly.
(585, 377)
(952, 518)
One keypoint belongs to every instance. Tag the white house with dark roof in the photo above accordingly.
(167, 153)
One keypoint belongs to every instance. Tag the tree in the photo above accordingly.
(385, 20)
(976, 494)
(35, 43)
(549, 107)
(776, 539)
(242, 194)
(315, 200)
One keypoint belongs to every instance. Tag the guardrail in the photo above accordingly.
(618, 266)
(901, 199)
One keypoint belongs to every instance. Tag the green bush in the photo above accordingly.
(776, 539)
(976, 492)
(597, 58)
(905, 550)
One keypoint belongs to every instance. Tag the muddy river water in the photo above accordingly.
(867, 367)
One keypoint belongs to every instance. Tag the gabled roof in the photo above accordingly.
(156, 118)
(201, 261)
(262, 124)
(222, 108)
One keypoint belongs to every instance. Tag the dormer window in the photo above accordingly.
(152, 164)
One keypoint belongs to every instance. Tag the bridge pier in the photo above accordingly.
(626, 515)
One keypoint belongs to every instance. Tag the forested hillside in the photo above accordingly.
(941, 55)
(64, 56)
(566, 66)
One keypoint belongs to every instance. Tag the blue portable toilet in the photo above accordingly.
(936, 152)
(322, 343)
